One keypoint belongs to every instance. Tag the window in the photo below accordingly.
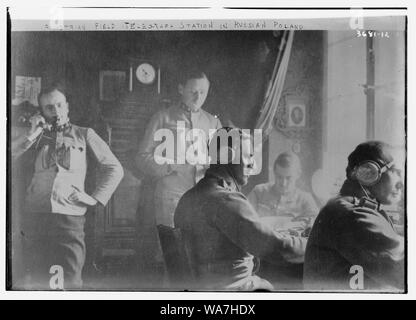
(346, 114)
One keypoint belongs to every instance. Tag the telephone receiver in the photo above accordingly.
(24, 120)
(50, 125)
(46, 126)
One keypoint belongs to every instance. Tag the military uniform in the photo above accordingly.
(224, 235)
(349, 237)
(53, 224)
(170, 186)
(268, 202)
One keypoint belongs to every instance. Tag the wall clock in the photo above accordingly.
(144, 77)
(146, 73)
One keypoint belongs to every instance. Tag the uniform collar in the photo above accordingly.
(64, 128)
(185, 108)
(351, 188)
(50, 136)
(223, 176)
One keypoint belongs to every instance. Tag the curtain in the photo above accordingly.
(275, 87)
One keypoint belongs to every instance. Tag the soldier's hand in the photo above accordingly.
(82, 197)
(36, 122)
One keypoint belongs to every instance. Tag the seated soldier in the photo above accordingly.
(353, 244)
(282, 196)
(220, 227)
(288, 209)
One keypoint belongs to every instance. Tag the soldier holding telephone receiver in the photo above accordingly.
(56, 202)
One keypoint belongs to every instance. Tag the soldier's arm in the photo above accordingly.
(365, 238)
(145, 158)
(110, 170)
(23, 143)
(237, 219)
(309, 206)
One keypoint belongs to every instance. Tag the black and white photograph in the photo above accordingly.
(213, 154)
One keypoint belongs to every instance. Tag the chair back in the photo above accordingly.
(176, 256)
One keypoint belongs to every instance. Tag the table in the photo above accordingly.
(289, 276)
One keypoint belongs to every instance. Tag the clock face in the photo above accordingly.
(146, 73)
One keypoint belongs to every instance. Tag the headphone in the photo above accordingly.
(224, 154)
(369, 172)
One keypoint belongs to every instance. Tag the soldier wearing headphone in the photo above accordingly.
(221, 228)
(353, 244)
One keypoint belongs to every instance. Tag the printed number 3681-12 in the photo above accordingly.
(372, 34)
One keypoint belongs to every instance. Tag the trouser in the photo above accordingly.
(54, 251)
(164, 206)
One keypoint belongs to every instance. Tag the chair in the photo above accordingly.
(177, 260)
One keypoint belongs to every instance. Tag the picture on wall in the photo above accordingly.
(296, 110)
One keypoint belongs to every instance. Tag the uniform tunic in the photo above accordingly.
(53, 225)
(224, 234)
(171, 185)
(349, 238)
